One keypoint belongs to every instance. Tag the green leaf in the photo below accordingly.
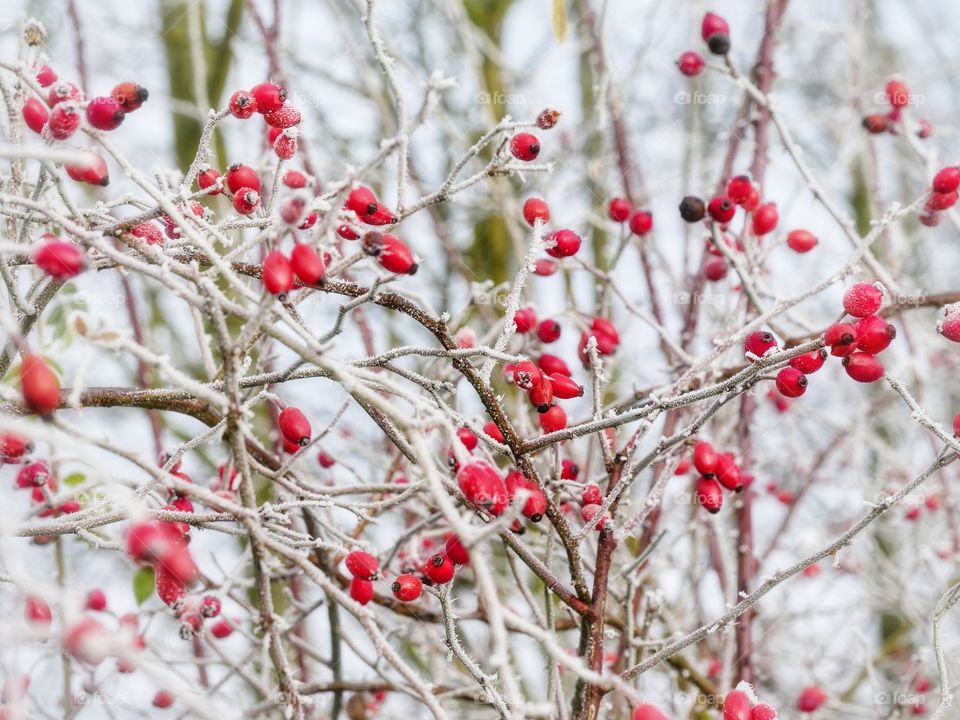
(143, 584)
(560, 19)
(74, 479)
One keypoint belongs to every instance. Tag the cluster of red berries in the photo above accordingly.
(717, 471)
(282, 117)
(943, 195)
(763, 219)
(640, 221)
(897, 95)
(542, 390)
(482, 484)
(438, 569)
(742, 704)
(715, 32)
(40, 481)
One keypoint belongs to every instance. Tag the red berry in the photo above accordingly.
(295, 179)
(553, 420)
(210, 606)
(221, 629)
(535, 504)
(704, 458)
(362, 201)
(269, 97)
(170, 589)
(759, 342)
(439, 569)
(525, 374)
(736, 706)
(285, 116)
(363, 565)
(810, 699)
(565, 388)
(874, 334)
(728, 472)
(591, 495)
(307, 264)
(148, 232)
(791, 382)
(361, 590)
(277, 274)
(46, 76)
(721, 209)
(569, 470)
(325, 460)
(765, 219)
(381, 216)
(243, 104)
(739, 189)
(563, 243)
(842, 339)
(242, 176)
(35, 474)
(407, 587)
(96, 600)
(35, 115)
(105, 113)
(468, 438)
(456, 551)
(947, 180)
(525, 319)
(710, 494)
(60, 260)
(691, 64)
(897, 94)
(548, 331)
(482, 485)
(37, 611)
(64, 120)
(589, 511)
(544, 267)
(396, 257)
(525, 146)
(163, 699)
(40, 387)
(492, 431)
(801, 241)
(647, 712)
(941, 201)
(715, 269)
(641, 222)
(551, 364)
(809, 362)
(862, 299)
(713, 24)
(13, 447)
(246, 201)
(619, 209)
(949, 327)
(64, 92)
(92, 170)
(763, 712)
(129, 96)
(294, 426)
(285, 146)
(863, 367)
(536, 209)
(347, 233)
(211, 180)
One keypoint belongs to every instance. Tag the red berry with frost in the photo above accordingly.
(361, 590)
(269, 97)
(863, 367)
(874, 334)
(363, 565)
(39, 385)
(715, 269)
(536, 209)
(64, 121)
(541, 393)
(439, 569)
(34, 474)
(763, 712)
(64, 92)
(759, 342)
(346, 232)
(801, 241)
(407, 587)
(765, 219)
(277, 274)
(210, 180)
(91, 170)
(691, 63)
(525, 146)
(60, 260)
(242, 104)
(35, 115)
(307, 264)
(548, 331)
(105, 113)
(170, 589)
(46, 76)
(544, 267)
(129, 96)
(809, 362)
(709, 494)
(210, 606)
(13, 447)
(941, 201)
(87, 641)
(563, 243)
(619, 209)
(492, 431)
(739, 189)
(396, 256)
(791, 382)
(246, 201)
(467, 438)
(525, 319)
(242, 176)
(294, 426)
(285, 146)
(647, 711)
(589, 511)
(641, 222)
(736, 706)
(862, 299)
(285, 116)
(949, 326)
(295, 179)
(148, 232)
